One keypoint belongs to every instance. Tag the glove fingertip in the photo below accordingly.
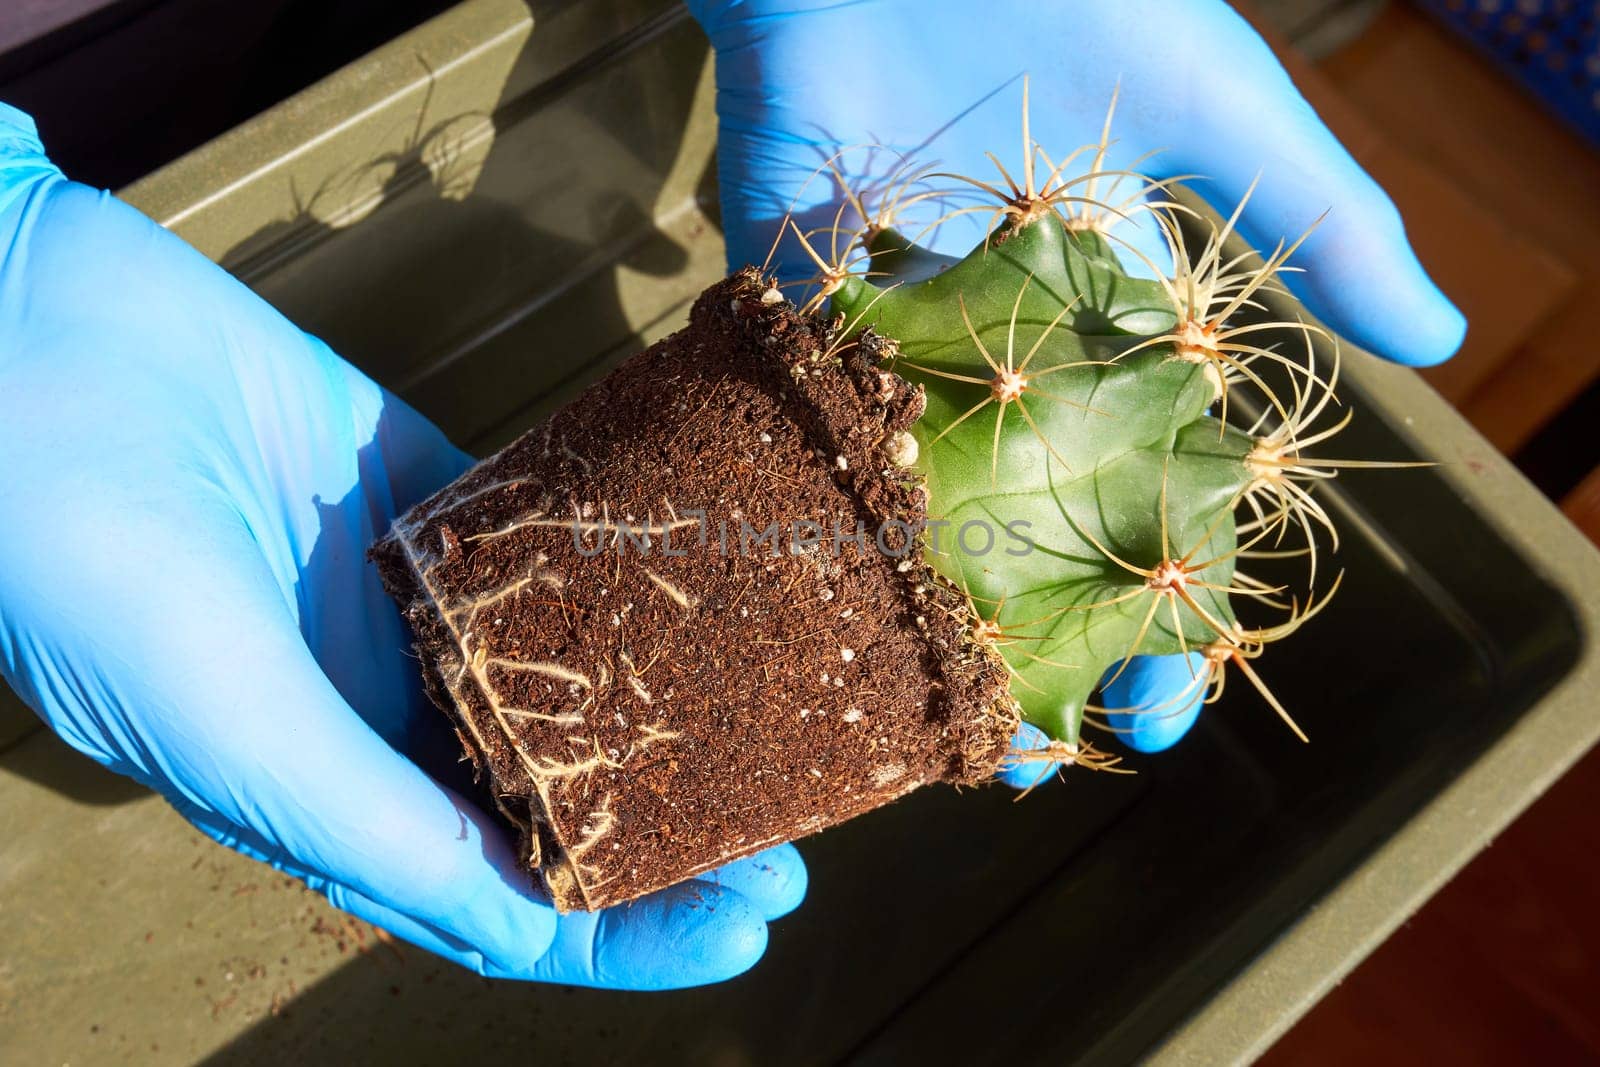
(1158, 699)
(775, 880)
(731, 941)
(691, 934)
(1297, 182)
(1028, 775)
(1365, 281)
(1020, 771)
(1422, 332)
(1151, 732)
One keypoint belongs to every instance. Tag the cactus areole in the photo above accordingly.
(655, 672)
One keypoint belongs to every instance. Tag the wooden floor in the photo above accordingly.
(1503, 204)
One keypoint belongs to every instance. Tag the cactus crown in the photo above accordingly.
(1091, 491)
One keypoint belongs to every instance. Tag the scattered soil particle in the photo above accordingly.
(651, 687)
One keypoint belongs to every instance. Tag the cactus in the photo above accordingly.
(1091, 491)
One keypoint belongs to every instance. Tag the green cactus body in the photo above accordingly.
(1082, 494)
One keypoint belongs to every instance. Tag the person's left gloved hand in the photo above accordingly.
(802, 83)
(190, 484)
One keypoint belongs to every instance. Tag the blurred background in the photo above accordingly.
(1480, 117)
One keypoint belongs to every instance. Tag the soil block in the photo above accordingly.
(683, 620)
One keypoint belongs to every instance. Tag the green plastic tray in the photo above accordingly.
(485, 215)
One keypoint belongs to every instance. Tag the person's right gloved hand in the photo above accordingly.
(799, 82)
(190, 484)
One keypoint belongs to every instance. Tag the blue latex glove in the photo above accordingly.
(941, 80)
(190, 483)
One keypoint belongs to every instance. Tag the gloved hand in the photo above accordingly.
(941, 81)
(190, 483)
